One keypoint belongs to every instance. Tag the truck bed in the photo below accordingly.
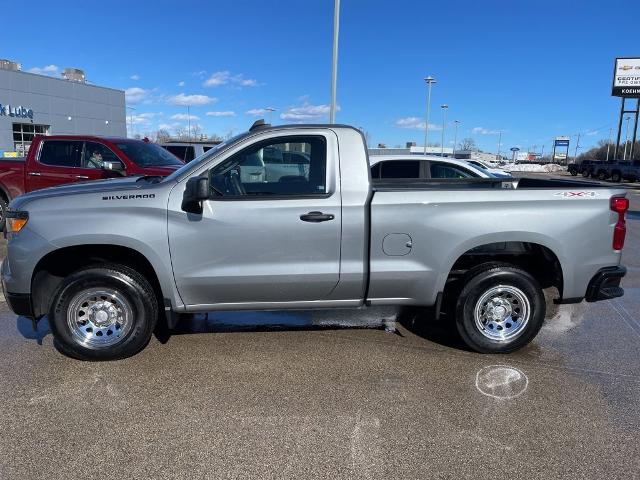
(524, 183)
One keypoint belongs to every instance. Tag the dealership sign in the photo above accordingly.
(12, 111)
(561, 142)
(626, 78)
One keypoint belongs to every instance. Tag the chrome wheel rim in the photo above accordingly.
(502, 313)
(99, 318)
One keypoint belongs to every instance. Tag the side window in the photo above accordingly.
(442, 170)
(375, 171)
(287, 166)
(61, 153)
(400, 169)
(95, 154)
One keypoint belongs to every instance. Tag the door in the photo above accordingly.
(55, 164)
(261, 242)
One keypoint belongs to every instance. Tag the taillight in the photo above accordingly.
(620, 205)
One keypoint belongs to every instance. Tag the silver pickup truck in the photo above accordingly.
(104, 260)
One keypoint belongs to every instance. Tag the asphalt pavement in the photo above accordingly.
(332, 394)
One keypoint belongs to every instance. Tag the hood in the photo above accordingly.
(161, 171)
(97, 186)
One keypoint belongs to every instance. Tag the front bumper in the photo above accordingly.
(19, 303)
(605, 284)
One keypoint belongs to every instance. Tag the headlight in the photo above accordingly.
(15, 220)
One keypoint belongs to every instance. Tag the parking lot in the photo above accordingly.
(332, 394)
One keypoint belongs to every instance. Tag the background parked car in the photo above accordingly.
(187, 151)
(488, 167)
(59, 159)
(423, 167)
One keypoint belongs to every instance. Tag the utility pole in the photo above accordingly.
(575, 155)
(626, 138)
(430, 81)
(131, 121)
(609, 142)
(334, 65)
(455, 137)
(499, 144)
(444, 124)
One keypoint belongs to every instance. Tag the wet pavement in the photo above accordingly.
(332, 394)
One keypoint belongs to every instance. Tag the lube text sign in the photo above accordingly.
(15, 111)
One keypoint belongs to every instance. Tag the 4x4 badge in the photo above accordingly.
(577, 194)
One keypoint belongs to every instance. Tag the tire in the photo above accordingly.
(602, 175)
(586, 173)
(505, 291)
(615, 177)
(124, 312)
(573, 173)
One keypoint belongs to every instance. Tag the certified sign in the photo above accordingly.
(626, 78)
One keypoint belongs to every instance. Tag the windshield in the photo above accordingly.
(148, 154)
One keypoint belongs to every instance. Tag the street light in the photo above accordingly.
(270, 110)
(444, 122)
(130, 121)
(430, 81)
(499, 144)
(455, 137)
(334, 65)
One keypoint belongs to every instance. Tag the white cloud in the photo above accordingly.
(415, 123)
(184, 116)
(46, 70)
(190, 100)
(135, 77)
(591, 133)
(306, 112)
(135, 95)
(227, 113)
(142, 118)
(225, 77)
(181, 83)
(256, 112)
(484, 131)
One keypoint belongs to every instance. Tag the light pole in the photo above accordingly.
(626, 138)
(455, 137)
(334, 66)
(270, 110)
(444, 123)
(499, 144)
(131, 121)
(430, 81)
(609, 143)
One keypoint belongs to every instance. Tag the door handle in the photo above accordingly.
(34, 174)
(82, 177)
(316, 217)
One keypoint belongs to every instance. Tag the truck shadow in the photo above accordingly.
(418, 321)
(25, 327)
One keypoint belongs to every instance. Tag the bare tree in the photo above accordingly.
(162, 135)
(468, 144)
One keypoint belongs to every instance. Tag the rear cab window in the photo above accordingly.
(61, 153)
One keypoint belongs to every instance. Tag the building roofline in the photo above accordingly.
(63, 80)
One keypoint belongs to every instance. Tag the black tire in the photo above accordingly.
(586, 173)
(615, 177)
(482, 279)
(602, 175)
(573, 173)
(135, 294)
(3, 210)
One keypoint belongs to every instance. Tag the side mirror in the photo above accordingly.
(195, 192)
(113, 166)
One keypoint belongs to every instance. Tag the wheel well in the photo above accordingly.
(57, 265)
(4, 195)
(536, 259)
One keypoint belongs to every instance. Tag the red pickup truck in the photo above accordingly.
(59, 159)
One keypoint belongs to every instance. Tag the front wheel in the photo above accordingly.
(615, 177)
(500, 309)
(103, 312)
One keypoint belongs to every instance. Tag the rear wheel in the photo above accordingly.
(615, 177)
(586, 173)
(602, 175)
(500, 309)
(103, 313)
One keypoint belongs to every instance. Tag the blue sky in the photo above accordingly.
(532, 69)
